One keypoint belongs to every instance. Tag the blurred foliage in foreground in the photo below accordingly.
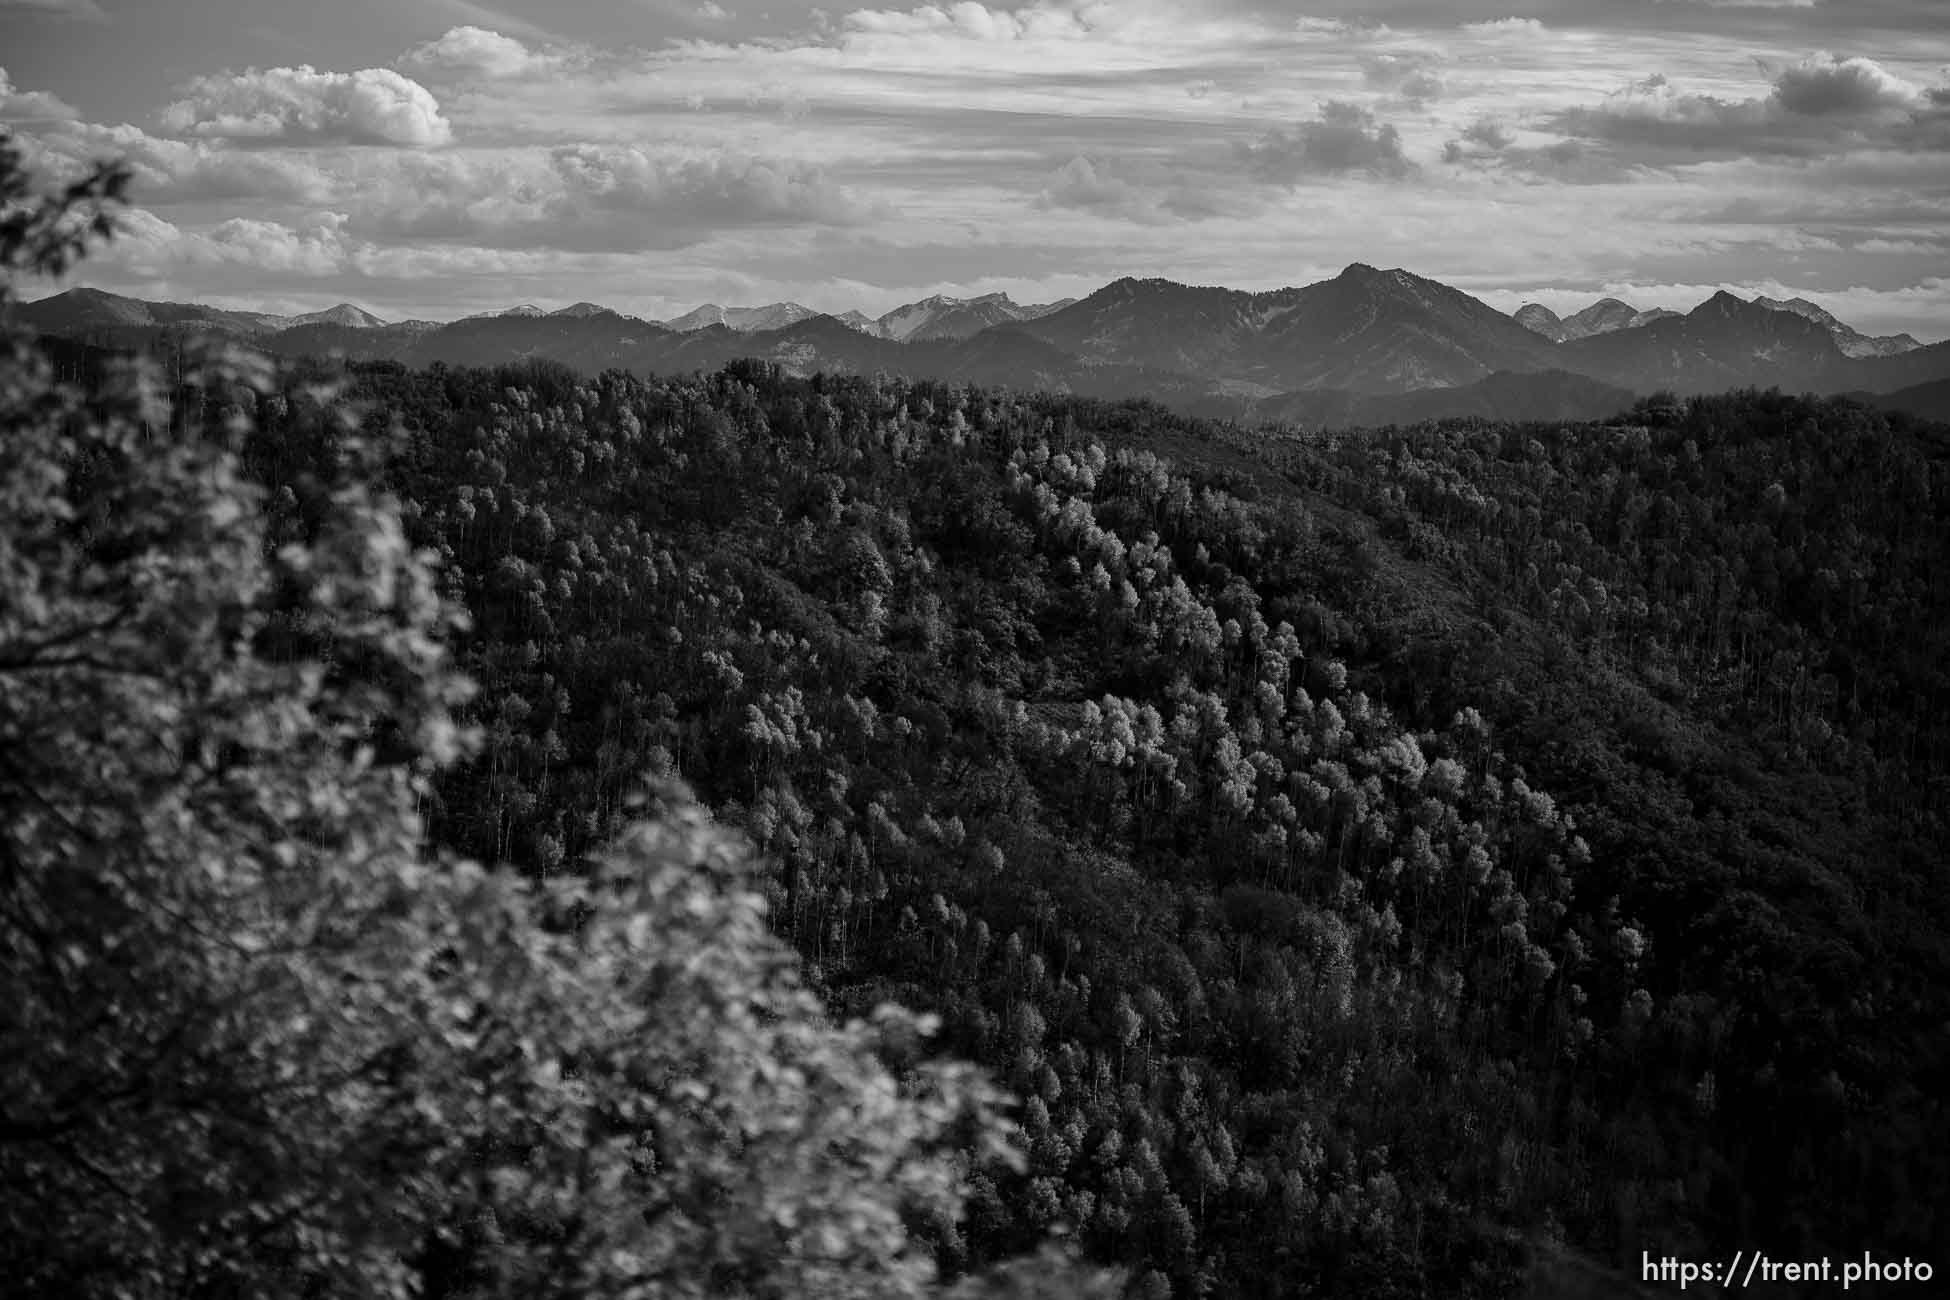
(259, 1040)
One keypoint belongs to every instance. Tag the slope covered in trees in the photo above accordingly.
(1360, 852)
(260, 1038)
(1366, 856)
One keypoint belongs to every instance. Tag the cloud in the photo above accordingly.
(317, 248)
(153, 247)
(247, 251)
(183, 171)
(1482, 137)
(18, 105)
(1838, 86)
(478, 51)
(1086, 185)
(371, 106)
(970, 20)
(596, 198)
(1412, 76)
(1487, 132)
(1567, 162)
(79, 10)
(480, 15)
(1506, 27)
(1818, 106)
(1343, 138)
(722, 188)
(1329, 27)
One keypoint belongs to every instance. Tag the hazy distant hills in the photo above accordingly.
(939, 317)
(81, 310)
(1727, 342)
(1609, 315)
(1930, 400)
(1366, 347)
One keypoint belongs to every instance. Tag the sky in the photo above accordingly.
(434, 158)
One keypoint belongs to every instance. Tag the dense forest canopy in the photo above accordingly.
(1374, 861)
(262, 1037)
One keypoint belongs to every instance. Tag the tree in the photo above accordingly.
(258, 1039)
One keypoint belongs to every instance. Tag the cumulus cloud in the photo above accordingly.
(1816, 106)
(1565, 162)
(153, 247)
(371, 106)
(153, 251)
(1819, 87)
(1482, 137)
(1506, 27)
(1654, 110)
(1343, 138)
(970, 19)
(1329, 27)
(181, 171)
(1488, 132)
(1412, 76)
(478, 51)
(1088, 185)
(314, 248)
(722, 188)
(597, 197)
(18, 105)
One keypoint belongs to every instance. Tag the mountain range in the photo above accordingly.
(1366, 347)
(1601, 317)
(939, 317)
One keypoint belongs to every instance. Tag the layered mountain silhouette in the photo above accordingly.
(1366, 347)
(1727, 342)
(1930, 400)
(1852, 342)
(939, 317)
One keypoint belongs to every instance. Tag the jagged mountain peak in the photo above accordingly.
(1850, 340)
(1723, 303)
(942, 316)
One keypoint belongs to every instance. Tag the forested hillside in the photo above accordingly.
(1365, 855)
(1375, 862)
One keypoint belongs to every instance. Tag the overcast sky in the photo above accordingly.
(433, 158)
